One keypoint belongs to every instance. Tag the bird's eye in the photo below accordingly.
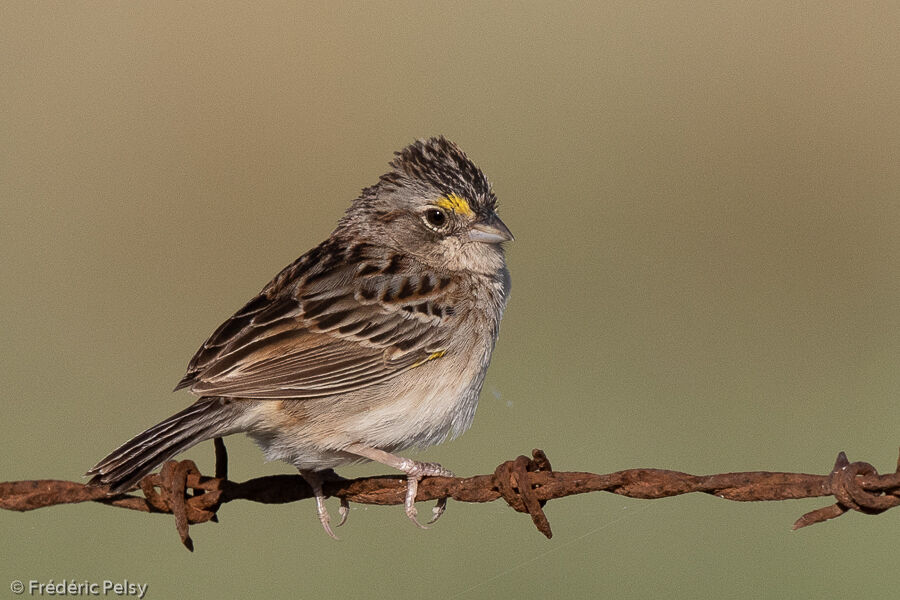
(435, 218)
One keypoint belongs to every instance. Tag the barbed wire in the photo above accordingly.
(526, 484)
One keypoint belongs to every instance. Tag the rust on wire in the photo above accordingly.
(513, 481)
(526, 484)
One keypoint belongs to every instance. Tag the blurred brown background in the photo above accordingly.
(705, 277)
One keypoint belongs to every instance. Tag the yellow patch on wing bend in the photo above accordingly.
(431, 356)
(457, 204)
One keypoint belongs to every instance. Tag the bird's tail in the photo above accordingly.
(129, 463)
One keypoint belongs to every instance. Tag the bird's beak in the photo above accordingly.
(490, 231)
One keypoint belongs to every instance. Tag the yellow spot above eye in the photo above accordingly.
(457, 204)
(431, 356)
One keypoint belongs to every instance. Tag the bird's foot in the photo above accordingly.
(315, 482)
(415, 471)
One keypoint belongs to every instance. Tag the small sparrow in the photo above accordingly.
(375, 341)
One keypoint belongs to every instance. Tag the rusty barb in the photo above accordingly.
(526, 484)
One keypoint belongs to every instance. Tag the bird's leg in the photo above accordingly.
(344, 510)
(315, 482)
(414, 470)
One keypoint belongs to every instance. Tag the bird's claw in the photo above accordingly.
(438, 510)
(324, 518)
(344, 511)
(315, 482)
(413, 476)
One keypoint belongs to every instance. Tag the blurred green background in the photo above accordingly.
(706, 275)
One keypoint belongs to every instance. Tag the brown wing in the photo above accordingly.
(334, 321)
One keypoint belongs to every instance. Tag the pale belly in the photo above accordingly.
(417, 409)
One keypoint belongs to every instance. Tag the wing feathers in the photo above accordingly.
(319, 336)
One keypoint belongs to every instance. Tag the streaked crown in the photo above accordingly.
(441, 164)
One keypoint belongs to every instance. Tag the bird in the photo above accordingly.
(374, 342)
